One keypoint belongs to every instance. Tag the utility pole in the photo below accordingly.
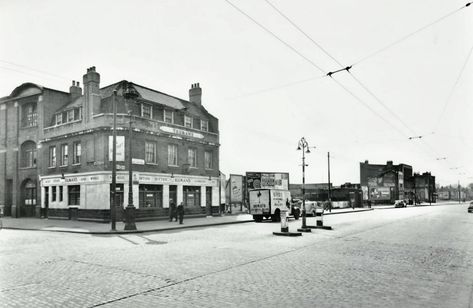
(113, 205)
(329, 189)
(459, 193)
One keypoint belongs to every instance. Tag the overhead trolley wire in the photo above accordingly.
(449, 97)
(33, 69)
(276, 37)
(348, 69)
(405, 37)
(313, 64)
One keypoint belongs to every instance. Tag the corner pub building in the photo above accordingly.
(56, 151)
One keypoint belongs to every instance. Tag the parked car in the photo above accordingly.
(470, 208)
(400, 203)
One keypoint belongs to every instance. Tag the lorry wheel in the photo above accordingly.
(258, 218)
(276, 217)
(296, 215)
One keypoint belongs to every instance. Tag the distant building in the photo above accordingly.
(56, 150)
(421, 187)
(384, 183)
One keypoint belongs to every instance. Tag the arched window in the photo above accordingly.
(28, 154)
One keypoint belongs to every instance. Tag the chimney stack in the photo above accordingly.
(195, 94)
(91, 93)
(75, 90)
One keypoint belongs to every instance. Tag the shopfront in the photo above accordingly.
(152, 194)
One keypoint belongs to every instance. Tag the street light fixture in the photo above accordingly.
(304, 146)
(130, 94)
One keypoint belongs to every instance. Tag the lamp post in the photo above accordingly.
(113, 205)
(130, 94)
(303, 145)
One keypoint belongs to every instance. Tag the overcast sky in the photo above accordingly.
(269, 92)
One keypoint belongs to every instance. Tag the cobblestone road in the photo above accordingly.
(411, 257)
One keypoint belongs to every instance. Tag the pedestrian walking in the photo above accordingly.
(172, 211)
(180, 212)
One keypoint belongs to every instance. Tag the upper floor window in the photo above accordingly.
(188, 121)
(68, 116)
(204, 125)
(76, 152)
(172, 155)
(28, 154)
(29, 115)
(58, 118)
(168, 116)
(64, 154)
(146, 111)
(208, 160)
(151, 156)
(52, 156)
(192, 157)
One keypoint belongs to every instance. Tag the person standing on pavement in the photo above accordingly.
(172, 211)
(180, 212)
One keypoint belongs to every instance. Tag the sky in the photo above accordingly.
(266, 81)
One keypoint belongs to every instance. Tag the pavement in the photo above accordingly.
(87, 227)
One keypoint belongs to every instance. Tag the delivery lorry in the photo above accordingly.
(269, 203)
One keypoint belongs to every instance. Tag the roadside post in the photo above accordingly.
(319, 220)
(285, 226)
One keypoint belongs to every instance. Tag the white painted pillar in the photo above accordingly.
(215, 196)
(203, 196)
(65, 195)
(136, 195)
(165, 196)
(180, 194)
(43, 194)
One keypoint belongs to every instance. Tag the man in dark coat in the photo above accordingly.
(172, 211)
(180, 212)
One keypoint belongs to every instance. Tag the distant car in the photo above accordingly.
(470, 208)
(400, 203)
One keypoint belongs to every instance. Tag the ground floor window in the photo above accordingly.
(74, 194)
(151, 196)
(191, 195)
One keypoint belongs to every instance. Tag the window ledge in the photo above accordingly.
(173, 165)
(152, 164)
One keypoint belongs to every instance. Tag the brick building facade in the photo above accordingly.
(55, 150)
(384, 183)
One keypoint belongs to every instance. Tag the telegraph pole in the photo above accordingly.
(329, 189)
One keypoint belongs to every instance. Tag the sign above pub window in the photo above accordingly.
(180, 132)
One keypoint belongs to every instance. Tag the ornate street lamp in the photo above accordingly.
(130, 94)
(304, 146)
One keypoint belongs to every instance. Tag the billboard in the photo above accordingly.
(267, 180)
(236, 188)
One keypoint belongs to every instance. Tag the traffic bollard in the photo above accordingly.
(285, 226)
(319, 220)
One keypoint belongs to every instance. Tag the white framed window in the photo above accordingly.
(188, 121)
(151, 156)
(58, 118)
(146, 111)
(70, 115)
(192, 157)
(168, 116)
(64, 154)
(172, 155)
(208, 157)
(76, 152)
(204, 125)
(52, 156)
